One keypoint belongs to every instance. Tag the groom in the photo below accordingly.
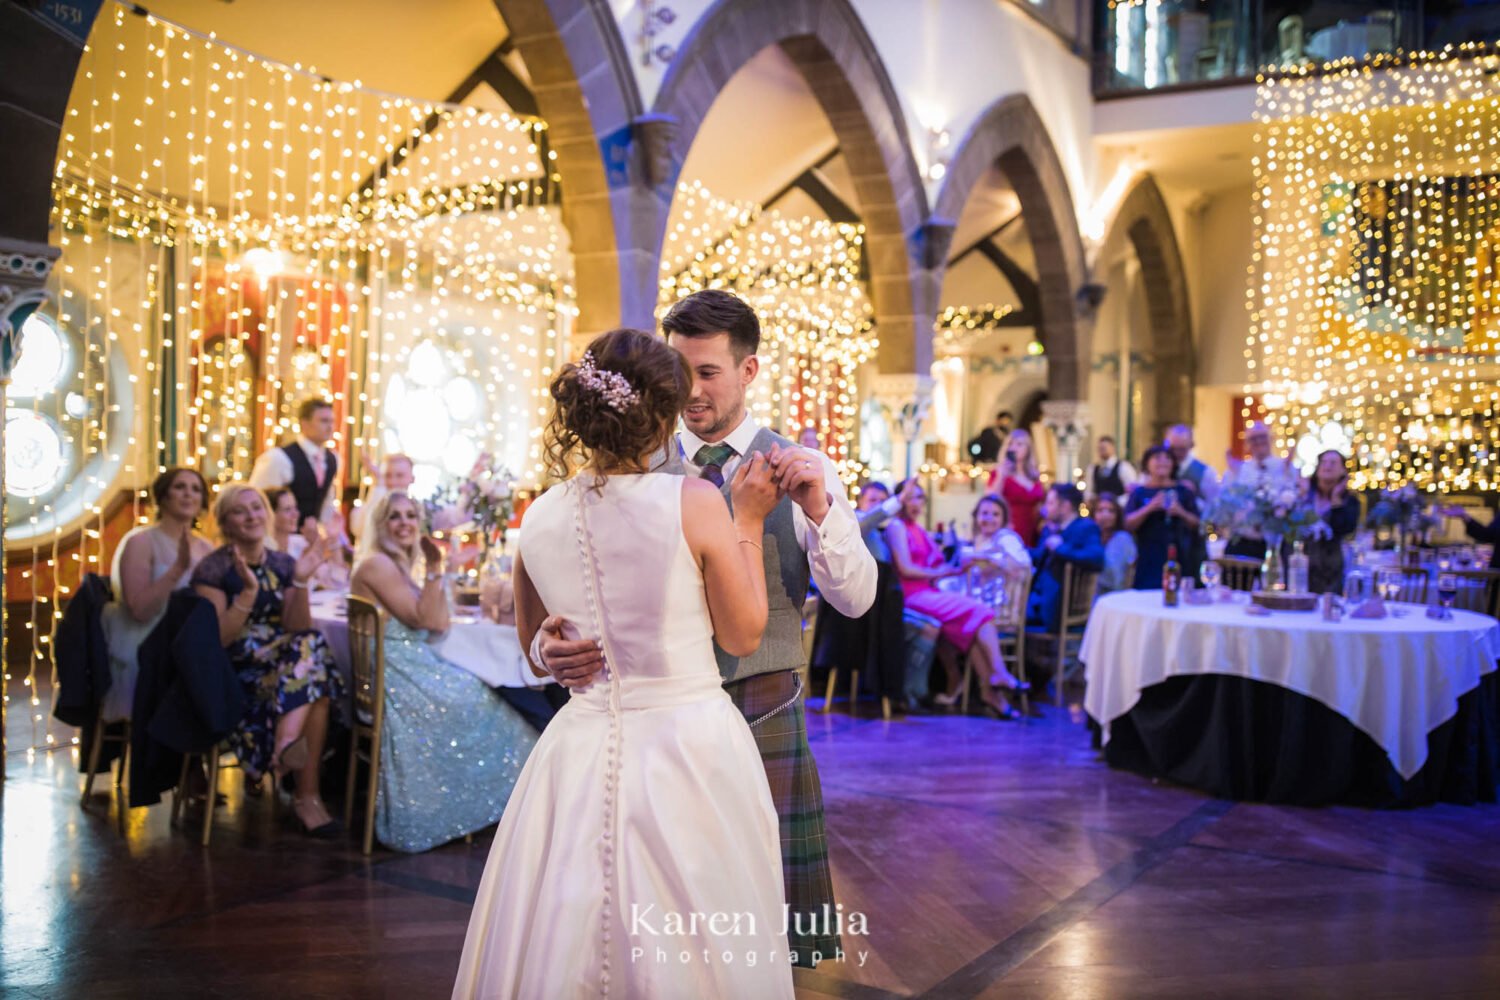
(811, 533)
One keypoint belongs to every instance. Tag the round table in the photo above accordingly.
(1395, 682)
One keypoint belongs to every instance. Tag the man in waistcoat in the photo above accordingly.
(1111, 474)
(307, 466)
(812, 534)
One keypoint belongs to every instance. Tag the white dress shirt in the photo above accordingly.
(1255, 473)
(273, 468)
(1128, 476)
(841, 565)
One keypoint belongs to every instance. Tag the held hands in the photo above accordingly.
(1053, 542)
(799, 474)
(753, 488)
(573, 662)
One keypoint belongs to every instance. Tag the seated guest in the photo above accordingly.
(1119, 546)
(283, 662)
(307, 466)
(445, 730)
(966, 623)
(1161, 512)
(396, 474)
(286, 536)
(1067, 538)
(150, 562)
(994, 539)
(1338, 516)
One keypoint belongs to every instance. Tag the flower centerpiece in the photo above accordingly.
(1276, 512)
(1406, 510)
(481, 503)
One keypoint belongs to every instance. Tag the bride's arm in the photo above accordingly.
(729, 555)
(530, 611)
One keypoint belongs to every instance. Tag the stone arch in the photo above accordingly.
(1143, 220)
(1011, 135)
(828, 43)
(586, 91)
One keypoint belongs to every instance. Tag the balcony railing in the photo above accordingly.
(1154, 44)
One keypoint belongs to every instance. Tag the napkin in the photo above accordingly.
(1372, 608)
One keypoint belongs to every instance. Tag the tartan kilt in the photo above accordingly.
(798, 796)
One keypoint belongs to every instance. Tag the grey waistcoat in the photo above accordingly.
(787, 577)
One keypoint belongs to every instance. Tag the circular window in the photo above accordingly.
(36, 455)
(44, 358)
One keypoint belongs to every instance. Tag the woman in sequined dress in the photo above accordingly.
(450, 748)
(283, 662)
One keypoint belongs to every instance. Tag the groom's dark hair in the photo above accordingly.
(714, 311)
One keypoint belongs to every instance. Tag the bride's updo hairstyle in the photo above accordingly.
(618, 405)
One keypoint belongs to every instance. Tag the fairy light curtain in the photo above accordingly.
(803, 278)
(238, 234)
(1373, 293)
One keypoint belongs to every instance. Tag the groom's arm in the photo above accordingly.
(573, 662)
(840, 562)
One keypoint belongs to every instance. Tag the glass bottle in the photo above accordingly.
(1297, 570)
(1171, 578)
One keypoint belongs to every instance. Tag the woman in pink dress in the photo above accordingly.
(1017, 480)
(968, 625)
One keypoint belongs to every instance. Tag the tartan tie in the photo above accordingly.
(710, 459)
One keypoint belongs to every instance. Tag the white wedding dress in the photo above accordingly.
(645, 797)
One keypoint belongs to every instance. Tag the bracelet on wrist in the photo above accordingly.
(747, 541)
(299, 584)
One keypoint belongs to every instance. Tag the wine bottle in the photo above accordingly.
(1171, 578)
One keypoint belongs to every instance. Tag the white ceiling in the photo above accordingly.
(421, 50)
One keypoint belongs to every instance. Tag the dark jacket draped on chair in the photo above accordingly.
(187, 698)
(82, 660)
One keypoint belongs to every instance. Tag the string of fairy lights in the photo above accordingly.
(1373, 293)
(238, 234)
(802, 276)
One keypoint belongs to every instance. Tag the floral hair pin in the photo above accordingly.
(612, 387)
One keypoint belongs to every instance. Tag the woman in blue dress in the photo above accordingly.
(450, 748)
(1161, 512)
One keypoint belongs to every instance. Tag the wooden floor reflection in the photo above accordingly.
(992, 859)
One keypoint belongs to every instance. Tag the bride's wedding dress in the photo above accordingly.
(639, 854)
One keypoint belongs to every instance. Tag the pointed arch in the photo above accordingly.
(829, 45)
(1012, 136)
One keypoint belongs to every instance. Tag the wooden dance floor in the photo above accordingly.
(992, 860)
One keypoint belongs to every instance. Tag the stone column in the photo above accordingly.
(1068, 422)
(24, 268)
(906, 399)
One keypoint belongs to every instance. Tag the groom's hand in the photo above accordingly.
(573, 662)
(799, 473)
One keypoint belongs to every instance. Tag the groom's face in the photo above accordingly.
(720, 381)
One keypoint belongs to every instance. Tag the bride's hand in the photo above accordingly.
(753, 489)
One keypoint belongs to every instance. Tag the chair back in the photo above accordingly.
(1010, 613)
(367, 660)
(1489, 579)
(1079, 585)
(1240, 572)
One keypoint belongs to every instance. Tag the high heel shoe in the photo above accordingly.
(323, 831)
(945, 700)
(1016, 685)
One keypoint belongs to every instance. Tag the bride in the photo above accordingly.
(639, 855)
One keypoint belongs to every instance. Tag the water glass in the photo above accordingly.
(1209, 574)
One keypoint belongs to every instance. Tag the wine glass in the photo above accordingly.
(1388, 583)
(1447, 588)
(1209, 574)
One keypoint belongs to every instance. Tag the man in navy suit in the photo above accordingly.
(1066, 538)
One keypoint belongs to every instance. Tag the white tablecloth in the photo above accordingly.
(1396, 679)
(489, 651)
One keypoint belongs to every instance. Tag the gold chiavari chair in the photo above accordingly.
(211, 761)
(1240, 572)
(1489, 579)
(1010, 625)
(1079, 587)
(367, 666)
